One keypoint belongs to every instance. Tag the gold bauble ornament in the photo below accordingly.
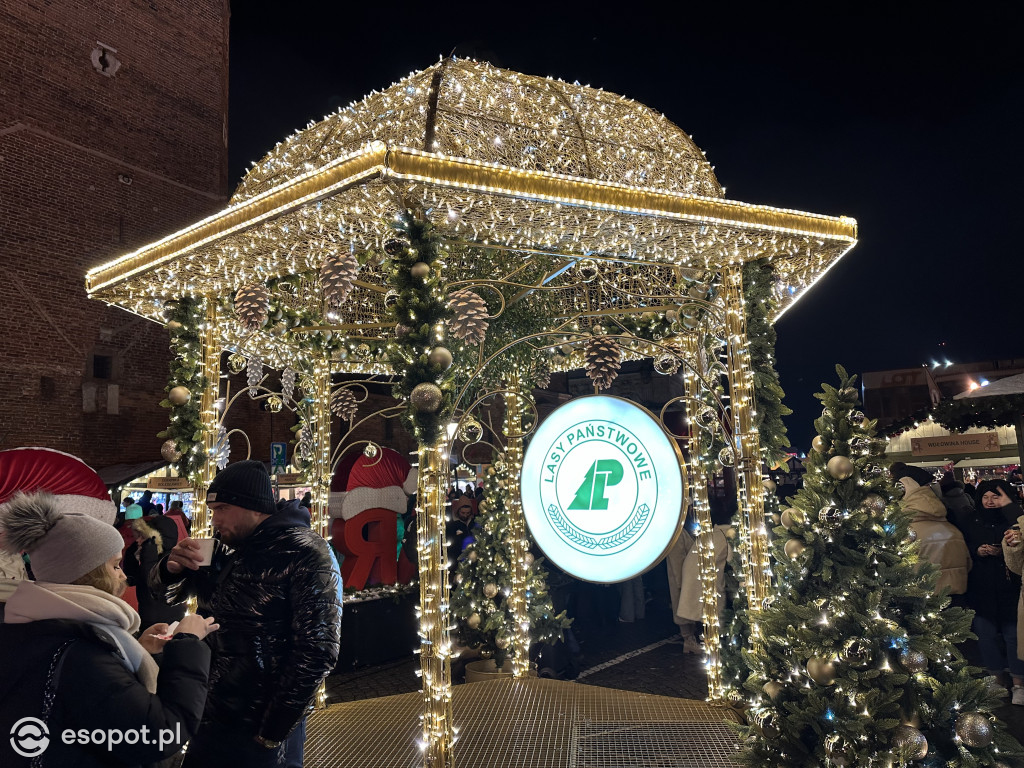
(274, 404)
(490, 589)
(370, 451)
(528, 559)
(857, 652)
(472, 556)
(791, 517)
(840, 467)
(169, 450)
(769, 485)
(501, 642)
(471, 431)
(973, 729)
(179, 395)
(821, 671)
(420, 270)
(236, 362)
(426, 397)
(839, 750)
(794, 548)
(914, 661)
(727, 457)
(907, 737)
(774, 689)
(819, 444)
(441, 357)
(473, 621)
(587, 270)
(362, 352)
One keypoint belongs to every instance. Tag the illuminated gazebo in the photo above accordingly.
(582, 213)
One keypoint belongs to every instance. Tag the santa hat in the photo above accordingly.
(75, 485)
(384, 481)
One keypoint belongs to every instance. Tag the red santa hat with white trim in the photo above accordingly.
(383, 481)
(79, 490)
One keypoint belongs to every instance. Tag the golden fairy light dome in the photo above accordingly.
(470, 109)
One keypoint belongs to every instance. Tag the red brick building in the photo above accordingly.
(113, 132)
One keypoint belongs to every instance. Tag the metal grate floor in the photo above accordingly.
(536, 722)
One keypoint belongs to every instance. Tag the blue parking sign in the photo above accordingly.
(278, 457)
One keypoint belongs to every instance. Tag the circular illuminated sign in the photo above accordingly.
(602, 489)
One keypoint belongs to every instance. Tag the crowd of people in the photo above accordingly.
(235, 680)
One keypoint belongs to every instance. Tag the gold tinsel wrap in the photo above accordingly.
(604, 358)
(470, 316)
(343, 404)
(337, 274)
(251, 303)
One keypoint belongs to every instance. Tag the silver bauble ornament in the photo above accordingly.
(769, 485)
(169, 450)
(857, 417)
(857, 652)
(911, 535)
(420, 270)
(791, 517)
(362, 352)
(179, 395)
(840, 467)
(911, 741)
(767, 723)
(426, 397)
(528, 559)
(839, 750)
(395, 246)
(707, 416)
(819, 444)
(236, 362)
(830, 516)
(441, 357)
(914, 661)
(697, 291)
(471, 431)
(794, 548)
(473, 621)
(490, 589)
(274, 404)
(390, 298)
(727, 457)
(370, 451)
(666, 364)
(821, 671)
(974, 729)
(874, 503)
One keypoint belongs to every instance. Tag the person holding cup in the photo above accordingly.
(1002, 497)
(272, 583)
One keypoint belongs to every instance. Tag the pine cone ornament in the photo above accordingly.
(306, 446)
(343, 404)
(337, 274)
(251, 304)
(288, 384)
(470, 321)
(603, 358)
(253, 375)
(540, 372)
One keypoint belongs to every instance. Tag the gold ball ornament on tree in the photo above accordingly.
(819, 444)
(362, 352)
(473, 621)
(179, 395)
(395, 246)
(857, 652)
(275, 404)
(501, 642)
(169, 450)
(251, 305)
(839, 750)
(441, 357)
(973, 729)
(830, 516)
(794, 548)
(910, 741)
(767, 723)
(426, 397)
(791, 517)
(490, 589)
(840, 467)
(773, 689)
(236, 362)
(769, 485)
(821, 671)
(420, 270)
(472, 556)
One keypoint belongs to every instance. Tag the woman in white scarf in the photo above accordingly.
(77, 688)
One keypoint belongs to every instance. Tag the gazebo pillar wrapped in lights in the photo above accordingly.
(563, 218)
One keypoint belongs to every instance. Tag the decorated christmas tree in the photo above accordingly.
(484, 578)
(857, 663)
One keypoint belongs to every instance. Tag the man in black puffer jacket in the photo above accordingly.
(275, 593)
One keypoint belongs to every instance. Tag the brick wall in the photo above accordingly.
(92, 166)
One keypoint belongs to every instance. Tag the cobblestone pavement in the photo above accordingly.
(644, 656)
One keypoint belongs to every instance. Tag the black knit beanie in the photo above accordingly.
(245, 484)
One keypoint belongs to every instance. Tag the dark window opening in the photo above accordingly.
(102, 366)
(47, 387)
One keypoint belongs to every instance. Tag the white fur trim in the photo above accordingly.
(411, 482)
(102, 509)
(361, 499)
(335, 503)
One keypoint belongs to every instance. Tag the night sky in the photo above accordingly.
(908, 120)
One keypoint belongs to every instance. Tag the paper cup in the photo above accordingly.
(206, 550)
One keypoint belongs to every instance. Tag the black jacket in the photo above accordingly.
(276, 598)
(992, 589)
(95, 691)
(139, 560)
(957, 504)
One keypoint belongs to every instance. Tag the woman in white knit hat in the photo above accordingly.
(77, 687)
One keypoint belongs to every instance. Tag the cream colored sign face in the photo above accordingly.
(976, 442)
(602, 489)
